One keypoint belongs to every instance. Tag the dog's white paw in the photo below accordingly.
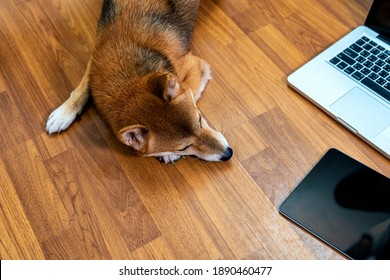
(169, 158)
(60, 119)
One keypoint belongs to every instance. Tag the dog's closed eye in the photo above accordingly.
(185, 148)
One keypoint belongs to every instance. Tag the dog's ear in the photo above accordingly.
(165, 86)
(134, 136)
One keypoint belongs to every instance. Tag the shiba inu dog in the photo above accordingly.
(145, 82)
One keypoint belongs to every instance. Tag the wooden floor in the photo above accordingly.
(79, 195)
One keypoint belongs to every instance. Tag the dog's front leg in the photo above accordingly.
(197, 75)
(61, 118)
(169, 158)
(205, 76)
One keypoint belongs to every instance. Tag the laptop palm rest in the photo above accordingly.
(359, 110)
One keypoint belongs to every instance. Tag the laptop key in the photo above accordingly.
(356, 48)
(368, 64)
(366, 71)
(373, 76)
(358, 66)
(358, 76)
(351, 53)
(364, 53)
(372, 58)
(380, 63)
(349, 70)
(346, 58)
(367, 47)
(375, 51)
(383, 56)
(335, 60)
(360, 59)
(384, 92)
(360, 42)
(375, 69)
(381, 81)
(342, 65)
(383, 73)
(373, 43)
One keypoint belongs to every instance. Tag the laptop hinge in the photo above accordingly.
(384, 38)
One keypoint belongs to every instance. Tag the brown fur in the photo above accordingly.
(145, 82)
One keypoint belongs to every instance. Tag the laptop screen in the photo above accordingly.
(378, 18)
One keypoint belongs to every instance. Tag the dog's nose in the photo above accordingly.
(228, 154)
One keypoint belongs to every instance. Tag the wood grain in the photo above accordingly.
(82, 195)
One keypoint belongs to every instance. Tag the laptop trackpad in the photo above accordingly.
(361, 111)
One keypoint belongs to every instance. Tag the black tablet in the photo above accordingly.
(345, 204)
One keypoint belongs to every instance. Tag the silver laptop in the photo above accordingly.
(351, 79)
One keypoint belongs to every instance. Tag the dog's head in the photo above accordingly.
(164, 121)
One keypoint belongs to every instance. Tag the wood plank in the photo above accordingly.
(38, 195)
(246, 137)
(14, 126)
(253, 15)
(157, 249)
(18, 240)
(278, 131)
(83, 240)
(50, 146)
(274, 44)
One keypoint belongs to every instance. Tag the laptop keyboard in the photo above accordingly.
(368, 63)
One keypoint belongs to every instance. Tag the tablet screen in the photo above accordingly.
(345, 204)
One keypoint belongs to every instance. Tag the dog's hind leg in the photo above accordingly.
(61, 118)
